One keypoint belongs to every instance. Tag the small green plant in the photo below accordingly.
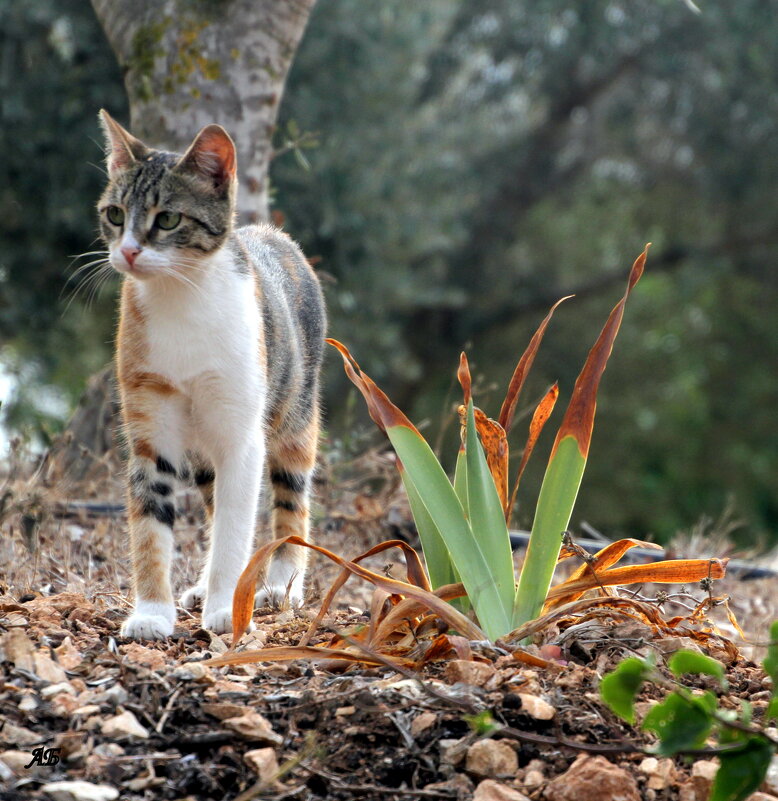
(685, 721)
(463, 524)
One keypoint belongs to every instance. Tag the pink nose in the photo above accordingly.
(130, 254)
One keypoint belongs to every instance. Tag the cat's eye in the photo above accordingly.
(115, 215)
(168, 220)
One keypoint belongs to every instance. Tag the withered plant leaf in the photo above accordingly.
(519, 376)
(578, 421)
(415, 572)
(382, 411)
(243, 599)
(286, 653)
(602, 560)
(495, 445)
(539, 419)
(674, 571)
(463, 375)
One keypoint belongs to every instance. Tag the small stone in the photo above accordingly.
(138, 654)
(490, 758)
(660, 772)
(17, 647)
(124, 726)
(533, 779)
(47, 669)
(771, 778)
(422, 722)
(490, 790)
(63, 705)
(705, 769)
(56, 689)
(536, 707)
(468, 672)
(192, 671)
(686, 792)
(592, 779)
(18, 735)
(115, 695)
(16, 762)
(79, 791)
(263, 762)
(87, 709)
(458, 786)
(28, 703)
(452, 752)
(223, 710)
(108, 750)
(217, 644)
(254, 727)
(67, 655)
(345, 711)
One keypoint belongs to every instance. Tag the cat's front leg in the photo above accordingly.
(156, 453)
(237, 484)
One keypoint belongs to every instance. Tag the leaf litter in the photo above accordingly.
(364, 694)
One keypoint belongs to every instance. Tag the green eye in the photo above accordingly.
(115, 215)
(168, 220)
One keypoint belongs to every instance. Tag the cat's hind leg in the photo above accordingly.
(291, 462)
(204, 479)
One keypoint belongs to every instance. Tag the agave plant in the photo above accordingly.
(463, 524)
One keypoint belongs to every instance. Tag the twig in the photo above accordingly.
(168, 708)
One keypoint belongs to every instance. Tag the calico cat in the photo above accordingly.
(219, 345)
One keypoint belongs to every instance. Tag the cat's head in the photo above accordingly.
(164, 213)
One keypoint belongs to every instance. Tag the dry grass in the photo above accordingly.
(50, 544)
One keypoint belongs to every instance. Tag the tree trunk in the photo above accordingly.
(187, 64)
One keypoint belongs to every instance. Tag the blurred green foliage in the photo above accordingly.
(476, 160)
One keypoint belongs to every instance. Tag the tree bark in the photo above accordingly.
(188, 63)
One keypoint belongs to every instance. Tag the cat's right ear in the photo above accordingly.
(122, 148)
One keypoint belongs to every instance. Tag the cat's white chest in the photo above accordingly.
(214, 331)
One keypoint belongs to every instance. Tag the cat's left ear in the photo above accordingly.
(123, 149)
(212, 155)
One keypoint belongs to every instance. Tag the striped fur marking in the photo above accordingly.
(294, 482)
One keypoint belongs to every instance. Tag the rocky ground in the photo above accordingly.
(124, 720)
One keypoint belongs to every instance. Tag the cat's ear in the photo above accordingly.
(212, 155)
(122, 148)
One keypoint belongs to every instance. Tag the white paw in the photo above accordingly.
(279, 596)
(147, 627)
(220, 621)
(193, 597)
(283, 586)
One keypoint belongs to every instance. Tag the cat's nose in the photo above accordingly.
(130, 253)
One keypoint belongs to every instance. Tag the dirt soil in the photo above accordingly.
(136, 721)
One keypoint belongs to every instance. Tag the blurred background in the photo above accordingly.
(453, 167)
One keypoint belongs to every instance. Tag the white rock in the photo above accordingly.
(536, 707)
(490, 758)
(254, 727)
(123, 726)
(490, 790)
(263, 762)
(56, 689)
(79, 791)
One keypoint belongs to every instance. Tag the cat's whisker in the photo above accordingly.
(88, 282)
